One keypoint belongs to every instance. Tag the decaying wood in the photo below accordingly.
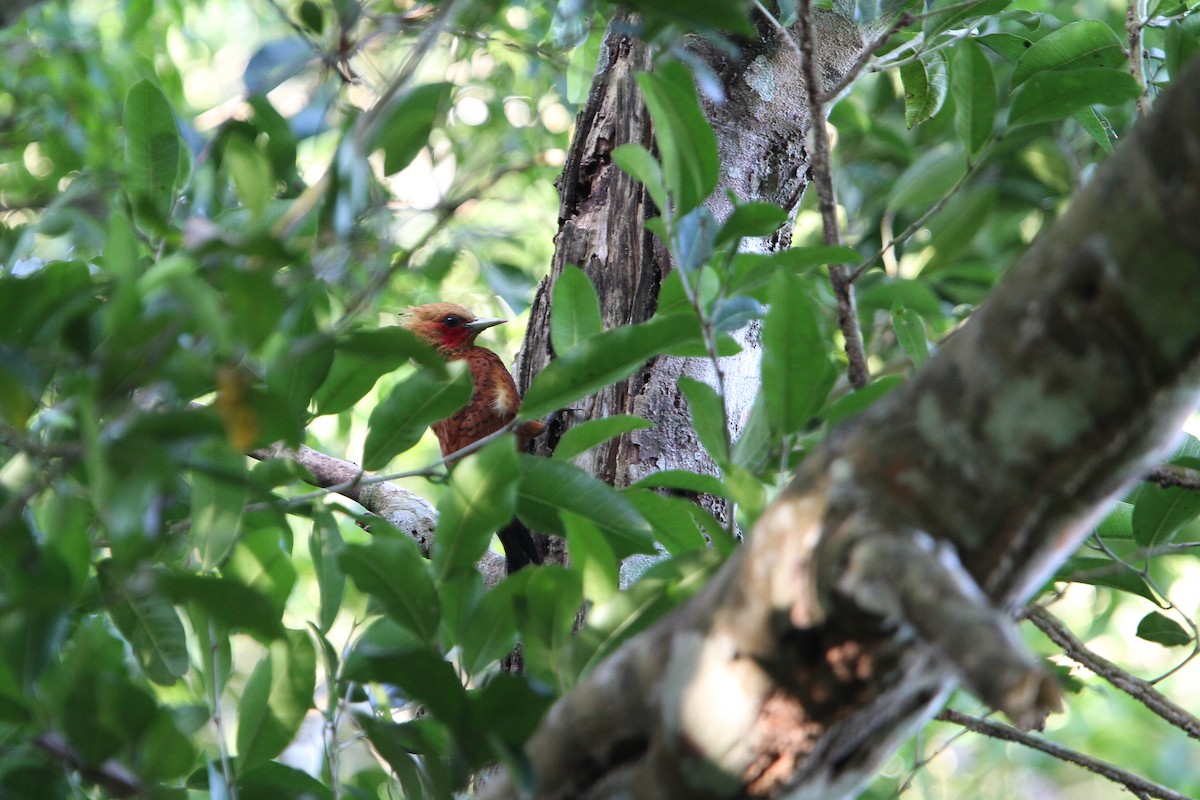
(781, 678)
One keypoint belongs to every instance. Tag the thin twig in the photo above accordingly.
(822, 172)
(1137, 688)
(1006, 733)
(217, 720)
(864, 57)
(1135, 14)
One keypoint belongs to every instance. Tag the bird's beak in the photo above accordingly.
(483, 323)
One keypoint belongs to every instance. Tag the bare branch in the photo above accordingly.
(1137, 688)
(1006, 733)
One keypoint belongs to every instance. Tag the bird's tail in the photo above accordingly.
(521, 547)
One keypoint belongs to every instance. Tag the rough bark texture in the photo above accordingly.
(797, 670)
(761, 128)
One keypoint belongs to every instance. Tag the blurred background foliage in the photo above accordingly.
(208, 210)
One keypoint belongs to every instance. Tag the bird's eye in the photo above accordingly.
(452, 321)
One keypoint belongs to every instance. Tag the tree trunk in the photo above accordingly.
(872, 586)
(761, 127)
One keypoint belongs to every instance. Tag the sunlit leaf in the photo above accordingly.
(423, 398)
(278, 694)
(574, 309)
(590, 433)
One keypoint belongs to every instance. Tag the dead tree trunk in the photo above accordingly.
(872, 586)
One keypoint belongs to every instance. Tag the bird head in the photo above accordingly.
(447, 326)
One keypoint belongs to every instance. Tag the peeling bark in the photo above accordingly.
(781, 678)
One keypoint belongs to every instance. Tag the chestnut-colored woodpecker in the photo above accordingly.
(494, 403)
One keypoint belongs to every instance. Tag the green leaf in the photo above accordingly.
(148, 622)
(751, 219)
(925, 85)
(796, 370)
(549, 487)
(396, 576)
(1159, 513)
(1086, 44)
(546, 619)
(929, 178)
(1105, 572)
(425, 397)
(408, 125)
(637, 162)
(489, 632)
(1161, 629)
(324, 543)
(592, 558)
(277, 695)
(361, 358)
(685, 139)
(1098, 127)
(251, 174)
(942, 15)
(708, 417)
(685, 481)
(974, 87)
(151, 148)
(423, 675)
(295, 374)
(233, 604)
(270, 779)
(674, 520)
(604, 359)
(261, 562)
(1118, 524)
(857, 402)
(592, 432)
(753, 270)
(1049, 96)
(1181, 46)
(662, 588)
(480, 498)
(910, 332)
(575, 309)
(218, 498)
(1006, 45)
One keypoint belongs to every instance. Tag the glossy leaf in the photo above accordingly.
(1105, 572)
(1049, 96)
(396, 576)
(637, 162)
(925, 86)
(1008, 46)
(278, 694)
(550, 487)
(232, 604)
(261, 562)
(1161, 629)
(575, 310)
(423, 398)
(604, 359)
(673, 520)
(489, 632)
(796, 369)
(692, 239)
(974, 87)
(590, 433)
(218, 498)
(408, 124)
(152, 147)
(685, 139)
(324, 543)
(1085, 44)
(148, 622)
(708, 417)
(751, 219)
(480, 497)
(361, 358)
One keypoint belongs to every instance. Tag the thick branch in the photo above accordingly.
(1005, 446)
